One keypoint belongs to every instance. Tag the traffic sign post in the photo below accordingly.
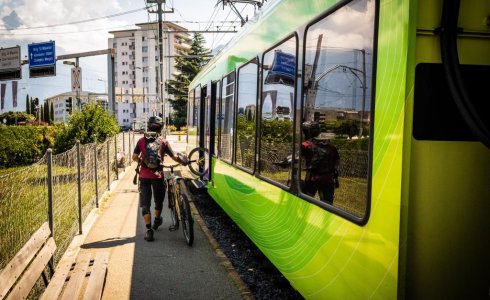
(42, 59)
(76, 79)
(10, 64)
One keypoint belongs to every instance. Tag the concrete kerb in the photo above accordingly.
(222, 258)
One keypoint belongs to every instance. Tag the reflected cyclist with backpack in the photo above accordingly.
(322, 160)
(149, 153)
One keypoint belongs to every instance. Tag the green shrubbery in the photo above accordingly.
(83, 125)
(24, 145)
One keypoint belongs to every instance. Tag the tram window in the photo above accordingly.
(191, 125)
(336, 112)
(227, 107)
(276, 130)
(217, 119)
(245, 120)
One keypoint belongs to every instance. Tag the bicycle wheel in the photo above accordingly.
(186, 215)
(198, 161)
(171, 206)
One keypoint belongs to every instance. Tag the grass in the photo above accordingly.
(24, 205)
(351, 196)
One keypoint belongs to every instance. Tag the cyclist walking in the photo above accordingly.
(149, 153)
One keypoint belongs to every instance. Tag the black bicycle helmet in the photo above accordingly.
(155, 124)
(311, 129)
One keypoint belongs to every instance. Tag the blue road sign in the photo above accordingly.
(42, 54)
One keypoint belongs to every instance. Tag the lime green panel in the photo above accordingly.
(447, 193)
(323, 255)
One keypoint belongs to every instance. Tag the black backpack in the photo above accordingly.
(151, 156)
(323, 159)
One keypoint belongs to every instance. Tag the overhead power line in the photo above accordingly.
(79, 22)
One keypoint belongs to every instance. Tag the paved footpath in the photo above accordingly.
(164, 269)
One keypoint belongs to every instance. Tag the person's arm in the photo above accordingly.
(136, 153)
(176, 156)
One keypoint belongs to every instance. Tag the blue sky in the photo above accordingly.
(82, 26)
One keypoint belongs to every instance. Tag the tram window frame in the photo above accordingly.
(237, 100)
(217, 116)
(190, 112)
(288, 187)
(339, 211)
(231, 146)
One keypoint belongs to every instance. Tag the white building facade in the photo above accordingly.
(137, 70)
(65, 103)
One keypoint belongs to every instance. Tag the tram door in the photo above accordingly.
(208, 129)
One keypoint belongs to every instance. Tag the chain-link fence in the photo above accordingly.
(61, 189)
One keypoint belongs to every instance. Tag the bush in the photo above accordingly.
(24, 145)
(83, 125)
(11, 117)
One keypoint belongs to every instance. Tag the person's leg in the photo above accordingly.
(326, 193)
(145, 204)
(158, 197)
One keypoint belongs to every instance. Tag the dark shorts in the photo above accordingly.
(325, 190)
(149, 187)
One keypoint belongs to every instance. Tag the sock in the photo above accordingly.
(148, 226)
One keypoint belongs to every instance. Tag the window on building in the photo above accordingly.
(144, 49)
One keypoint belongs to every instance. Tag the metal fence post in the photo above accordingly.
(108, 166)
(124, 145)
(95, 173)
(50, 190)
(79, 189)
(130, 148)
(115, 157)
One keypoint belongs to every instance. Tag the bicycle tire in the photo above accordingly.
(186, 214)
(171, 206)
(197, 160)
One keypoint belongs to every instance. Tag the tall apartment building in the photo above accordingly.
(137, 73)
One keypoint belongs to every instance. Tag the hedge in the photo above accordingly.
(24, 145)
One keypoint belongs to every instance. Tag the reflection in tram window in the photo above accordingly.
(217, 121)
(276, 136)
(227, 108)
(191, 123)
(337, 97)
(247, 104)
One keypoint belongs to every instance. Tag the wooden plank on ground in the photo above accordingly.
(32, 274)
(13, 270)
(74, 285)
(57, 282)
(96, 280)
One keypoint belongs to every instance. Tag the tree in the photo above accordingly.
(83, 125)
(12, 116)
(51, 114)
(28, 105)
(46, 113)
(186, 69)
(33, 107)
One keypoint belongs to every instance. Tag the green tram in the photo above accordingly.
(399, 88)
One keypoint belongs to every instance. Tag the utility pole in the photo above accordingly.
(160, 47)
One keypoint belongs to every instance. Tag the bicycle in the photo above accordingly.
(178, 195)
